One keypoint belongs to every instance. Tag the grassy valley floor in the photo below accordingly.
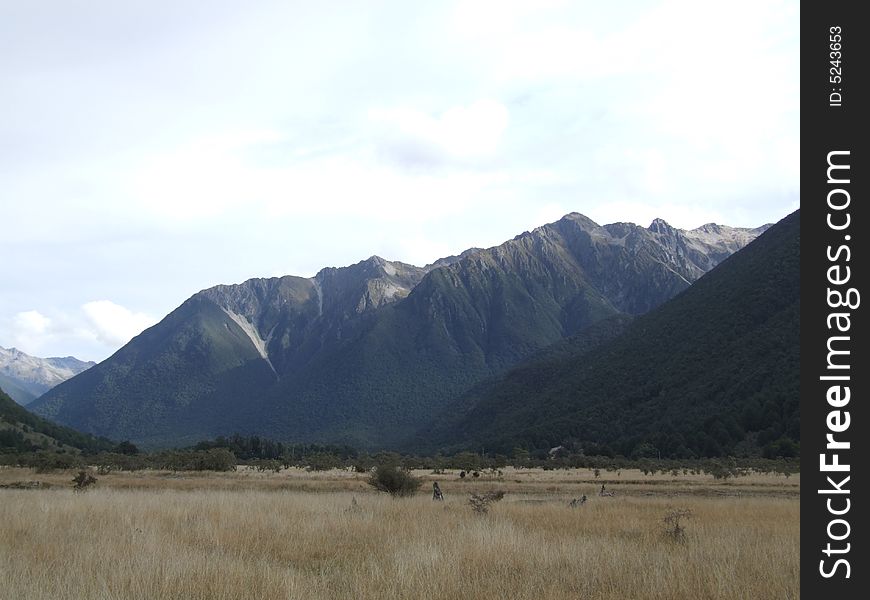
(296, 534)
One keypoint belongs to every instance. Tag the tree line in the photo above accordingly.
(226, 453)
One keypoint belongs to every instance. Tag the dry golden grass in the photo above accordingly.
(324, 535)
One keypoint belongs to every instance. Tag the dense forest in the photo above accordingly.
(713, 372)
(22, 431)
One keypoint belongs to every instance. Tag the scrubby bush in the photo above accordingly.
(674, 528)
(323, 461)
(83, 481)
(263, 465)
(480, 503)
(216, 459)
(394, 480)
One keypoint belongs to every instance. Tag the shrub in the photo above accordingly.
(216, 459)
(323, 461)
(674, 528)
(83, 481)
(263, 465)
(480, 503)
(394, 480)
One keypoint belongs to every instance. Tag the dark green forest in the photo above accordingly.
(713, 372)
(22, 431)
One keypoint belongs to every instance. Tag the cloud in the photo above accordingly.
(202, 178)
(29, 331)
(113, 324)
(209, 146)
(35, 333)
(93, 331)
(31, 322)
(412, 137)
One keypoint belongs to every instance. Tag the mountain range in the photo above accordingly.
(370, 353)
(26, 377)
(712, 372)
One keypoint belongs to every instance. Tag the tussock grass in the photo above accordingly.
(227, 542)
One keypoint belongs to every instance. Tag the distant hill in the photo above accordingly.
(714, 371)
(26, 377)
(364, 355)
(22, 431)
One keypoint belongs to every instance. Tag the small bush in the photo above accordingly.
(263, 465)
(674, 528)
(394, 480)
(480, 503)
(83, 481)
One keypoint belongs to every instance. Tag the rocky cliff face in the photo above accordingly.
(365, 286)
(363, 354)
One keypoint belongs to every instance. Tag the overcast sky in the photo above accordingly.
(151, 148)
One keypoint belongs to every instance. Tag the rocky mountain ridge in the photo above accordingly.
(712, 372)
(27, 377)
(366, 353)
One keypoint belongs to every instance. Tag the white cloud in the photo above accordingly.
(212, 145)
(413, 137)
(202, 178)
(29, 331)
(113, 324)
(31, 322)
(90, 332)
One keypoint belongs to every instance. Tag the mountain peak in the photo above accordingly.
(365, 353)
(449, 260)
(709, 228)
(743, 316)
(581, 219)
(26, 377)
(660, 226)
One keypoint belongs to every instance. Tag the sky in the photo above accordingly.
(150, 148)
